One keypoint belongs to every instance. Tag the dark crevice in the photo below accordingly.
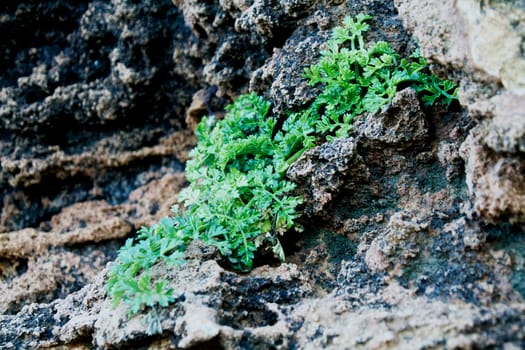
(213, 344)
(38, 203)
(44, 35)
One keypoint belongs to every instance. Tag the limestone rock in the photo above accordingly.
(481, 42)
(495, 181)
(326, 170)
(409, 243)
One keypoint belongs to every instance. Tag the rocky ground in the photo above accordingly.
(414, 225)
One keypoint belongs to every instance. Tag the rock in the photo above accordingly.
(325, 170)
(207, 300)
(201, 317)
(408, 241)
(28, 242)
(494, 181)
(82, 115)
(91, 113)
(329, 169)
(279, 77)
(27, 172)
(494, 40)
(402, 124)
(422, 323)
(399, 231)
(472, 36)
(505, 125)
(480, 42)
(97, 225)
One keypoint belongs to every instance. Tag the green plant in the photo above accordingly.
(130, 281)
(238, 199)
(359, 79)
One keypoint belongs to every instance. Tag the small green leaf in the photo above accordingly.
(238, 199)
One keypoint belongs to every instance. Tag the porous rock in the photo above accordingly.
(205, 292)
(480, 42)
(401, 124)
(90, 113)
(391, 255)
(326, 170)
(495, 181)
(476, 37)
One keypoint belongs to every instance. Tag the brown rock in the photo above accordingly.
(494, 181)
(479, 41)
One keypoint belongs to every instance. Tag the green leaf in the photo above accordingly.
(238, 199)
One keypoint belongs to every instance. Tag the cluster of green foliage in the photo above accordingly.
(359, 79)
(130, 279)
(239, 200)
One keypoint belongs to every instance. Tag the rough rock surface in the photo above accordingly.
(483, 42)
(324, 170)
(414, 235)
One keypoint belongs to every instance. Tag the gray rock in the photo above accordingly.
(325, 170)
(408, 243)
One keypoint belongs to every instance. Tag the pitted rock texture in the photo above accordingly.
(325, 169)
(400, 125)
(412, 238)
(480, 41)
(280, 312)
(495, 181)
(93, 100)
(480, 38)
(85, 103)
(77, 244)
(90, 125)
